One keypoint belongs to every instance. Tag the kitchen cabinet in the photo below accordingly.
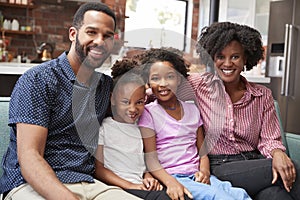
(27, 22)
(254, 13)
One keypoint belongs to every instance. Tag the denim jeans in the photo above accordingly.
(217, 189)
(253, 173)
(152, 195)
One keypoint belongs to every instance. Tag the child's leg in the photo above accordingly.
(201, 191)
(235, 192)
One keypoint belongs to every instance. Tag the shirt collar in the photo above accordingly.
(251, 89)
(66, 66)
(96, 78)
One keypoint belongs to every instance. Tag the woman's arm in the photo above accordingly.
(270, 144)
(174, 189)
(203, 175)
(31, 143)
(108, 176)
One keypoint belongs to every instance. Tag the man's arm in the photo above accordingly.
(31, 143)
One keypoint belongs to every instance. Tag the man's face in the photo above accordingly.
(95, 38)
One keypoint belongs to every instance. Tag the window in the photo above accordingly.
(156, 23)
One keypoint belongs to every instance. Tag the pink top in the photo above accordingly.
(175, 139)
(249, 124)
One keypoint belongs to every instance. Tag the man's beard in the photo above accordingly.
(84, 59)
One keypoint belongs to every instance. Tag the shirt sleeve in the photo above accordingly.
(30, 101)
(101, 135)
(146, 119)
(270, 137)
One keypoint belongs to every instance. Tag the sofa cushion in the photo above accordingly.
(4, 128)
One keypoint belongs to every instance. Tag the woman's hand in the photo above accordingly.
(203, 176)
(152, 184)
(176, 191)
(283, 166)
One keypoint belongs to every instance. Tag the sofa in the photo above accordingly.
(4, 129)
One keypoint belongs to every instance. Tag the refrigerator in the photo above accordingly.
(283, 60)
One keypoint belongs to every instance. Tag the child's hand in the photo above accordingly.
(134, 186)
(152, 184)
(203, 176)
(175, 190)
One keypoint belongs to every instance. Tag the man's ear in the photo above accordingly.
(72, 33)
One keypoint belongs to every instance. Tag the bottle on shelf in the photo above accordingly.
(23, 57)
(1, 19)
(15, 25)
(1, 49)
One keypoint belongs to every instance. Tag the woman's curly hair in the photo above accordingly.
(151, 56)
(213, 39)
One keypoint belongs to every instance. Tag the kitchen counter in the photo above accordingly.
(19, 68)
(257, 78)
(12, 68)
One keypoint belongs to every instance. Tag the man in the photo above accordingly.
(55, 112)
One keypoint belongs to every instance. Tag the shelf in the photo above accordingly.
(14, 5)
(18, 32)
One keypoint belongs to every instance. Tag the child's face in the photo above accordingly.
(164, 80)
(128, 101)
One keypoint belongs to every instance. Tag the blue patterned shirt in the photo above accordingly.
(48, 95)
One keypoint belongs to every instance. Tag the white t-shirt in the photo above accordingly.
(123, 149)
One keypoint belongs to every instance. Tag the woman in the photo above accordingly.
(241, 128)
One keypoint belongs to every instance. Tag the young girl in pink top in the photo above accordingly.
(173, 136)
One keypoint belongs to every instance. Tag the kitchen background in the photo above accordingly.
(42, 34)
(48, 21)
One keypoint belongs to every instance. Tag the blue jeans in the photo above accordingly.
(217, 190)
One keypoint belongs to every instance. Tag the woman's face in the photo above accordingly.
(128, 102)
(230, 62)
(164, 80)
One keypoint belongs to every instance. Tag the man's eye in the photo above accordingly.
(91, 32)
(109, 37)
